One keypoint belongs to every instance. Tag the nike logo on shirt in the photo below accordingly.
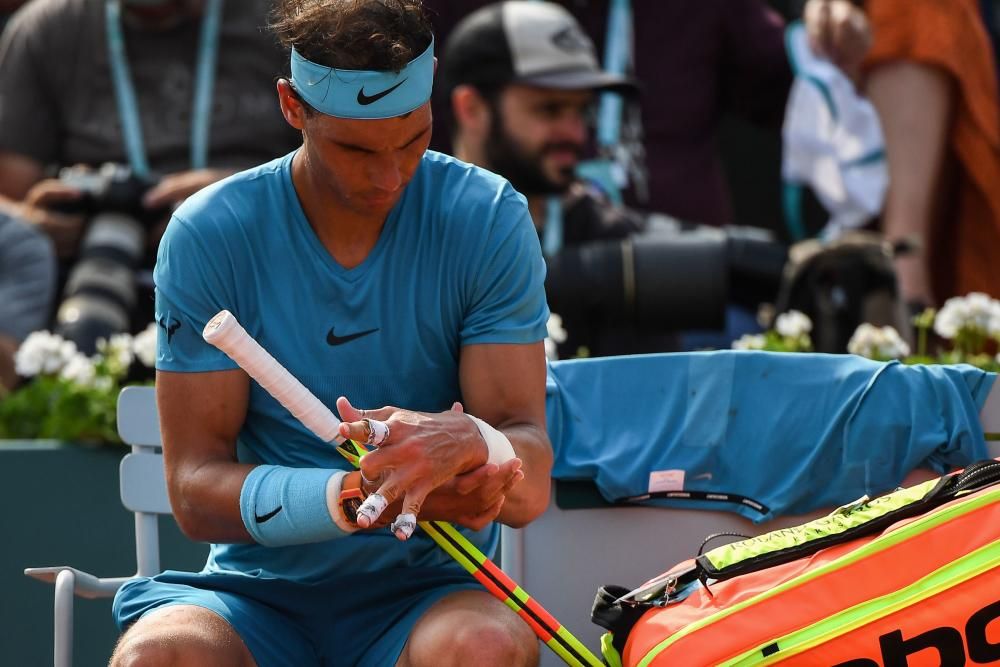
(333, 339)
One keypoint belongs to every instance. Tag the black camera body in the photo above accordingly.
(113, 188)
(100, 293)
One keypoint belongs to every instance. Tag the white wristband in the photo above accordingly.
(499, 447)
(333, 488)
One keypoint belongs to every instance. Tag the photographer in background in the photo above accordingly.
(27, 285)
(179, 91)
(521, 79)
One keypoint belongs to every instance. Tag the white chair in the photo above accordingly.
(144, 492)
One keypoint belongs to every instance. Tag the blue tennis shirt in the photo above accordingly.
(759, 433)
(457, 263)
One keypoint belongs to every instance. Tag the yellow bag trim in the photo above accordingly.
(880, 543)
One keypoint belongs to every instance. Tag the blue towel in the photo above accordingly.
(759, 433)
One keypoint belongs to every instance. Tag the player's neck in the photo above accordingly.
(347, 235)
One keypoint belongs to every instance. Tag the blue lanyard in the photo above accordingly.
(552, 233)
(617, 56)
(128, 104)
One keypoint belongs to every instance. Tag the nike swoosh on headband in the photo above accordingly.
(365, 100)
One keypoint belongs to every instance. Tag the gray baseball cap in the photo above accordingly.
(526, 42)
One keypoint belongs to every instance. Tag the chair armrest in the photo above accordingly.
(86, 584)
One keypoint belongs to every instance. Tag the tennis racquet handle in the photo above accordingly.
(225, 332)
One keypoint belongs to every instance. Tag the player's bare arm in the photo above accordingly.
(504, 385)
(200, 418)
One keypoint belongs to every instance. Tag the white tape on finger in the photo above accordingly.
(404, 525)
(373, 507)
(499, 447)
(378, 432)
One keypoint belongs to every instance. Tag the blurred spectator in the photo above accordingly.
(27, 285)
(65, 83)
(931, 75)
(520, 104)
(696, 61)
(521, 100)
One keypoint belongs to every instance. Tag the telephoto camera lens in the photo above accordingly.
(100, 291)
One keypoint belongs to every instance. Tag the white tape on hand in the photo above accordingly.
(499, 447)
(404, 525)
(378, 432)
(372, 508)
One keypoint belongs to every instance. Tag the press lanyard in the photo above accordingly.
(128, 105)
(617, 56)
(552, 233)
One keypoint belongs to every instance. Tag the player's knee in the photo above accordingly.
(149, 646)
(494, 642)
(142, 648)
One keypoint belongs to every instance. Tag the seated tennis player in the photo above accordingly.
(372, 269)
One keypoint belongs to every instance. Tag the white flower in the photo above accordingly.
(118, 351)
(877, 342)
(144, 345)
(975, 311)
(43, 352)
(80, 370)
(750, 342)
(555, 328)
(793, 324)
(555, 335)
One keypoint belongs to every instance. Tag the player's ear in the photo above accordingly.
(471, 111)
(291, 106)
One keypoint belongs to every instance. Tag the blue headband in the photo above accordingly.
(349, 93)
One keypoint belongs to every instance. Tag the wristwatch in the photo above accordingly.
(350, 500)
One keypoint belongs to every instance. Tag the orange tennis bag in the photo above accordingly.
(911, 578)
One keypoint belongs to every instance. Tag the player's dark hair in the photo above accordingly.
(381, 35)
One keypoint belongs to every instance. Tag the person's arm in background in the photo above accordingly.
(931, 76)
(914, 103)
(27, 283)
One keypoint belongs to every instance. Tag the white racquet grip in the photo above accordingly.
(224, 332)
(499, 447)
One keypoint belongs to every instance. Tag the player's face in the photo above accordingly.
(365, 164)
(538, 135)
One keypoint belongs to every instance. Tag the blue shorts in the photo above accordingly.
(359, 620)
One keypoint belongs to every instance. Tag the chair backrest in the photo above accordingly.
(141, 476)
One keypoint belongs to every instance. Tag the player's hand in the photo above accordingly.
(175, 188)
(423, 451)
(839, 31)
(64, 229)
(473, 500)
